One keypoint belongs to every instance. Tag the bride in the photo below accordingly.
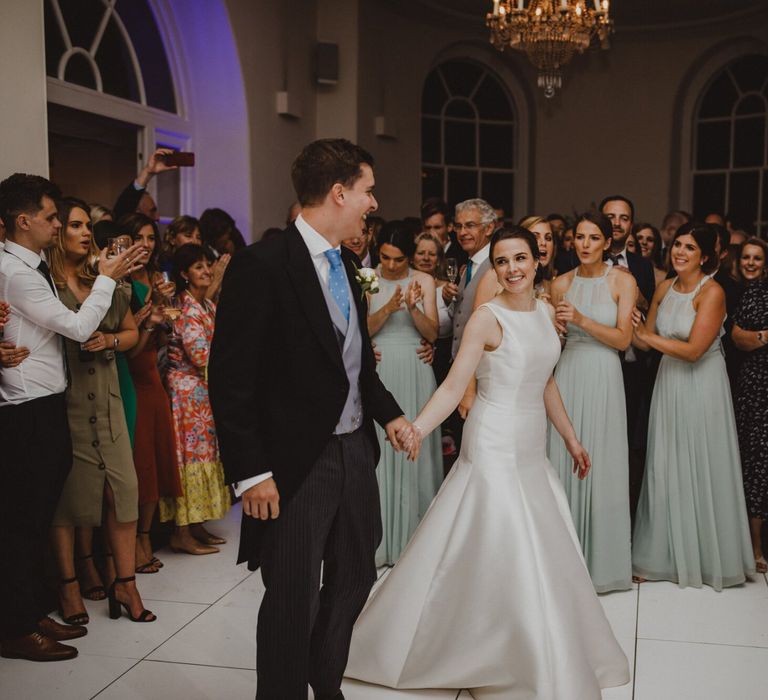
(492, 593)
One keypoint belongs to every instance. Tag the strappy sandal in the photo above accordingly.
(153, 560)
(80, 618)
(761, 565)
(97, 592)
(116, 606)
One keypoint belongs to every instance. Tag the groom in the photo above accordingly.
(294, 390)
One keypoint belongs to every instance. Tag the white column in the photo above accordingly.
(337, 23)
(23, 115)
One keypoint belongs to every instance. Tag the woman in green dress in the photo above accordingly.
(402, 313)
(101, 488)
(595, 301)
(691, 525)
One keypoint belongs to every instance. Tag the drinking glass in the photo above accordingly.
(452, 270)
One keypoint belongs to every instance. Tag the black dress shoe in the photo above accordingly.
(36, 647)
(336, 696)
(61, 633)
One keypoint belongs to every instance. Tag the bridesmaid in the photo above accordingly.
(400, 315)
(750, 335)
(691, 523)
(596, 300)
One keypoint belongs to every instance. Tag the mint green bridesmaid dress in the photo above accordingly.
(405, 488)
(590, 382)
(691, 525)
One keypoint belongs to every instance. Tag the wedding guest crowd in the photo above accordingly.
(100, 421)
(107, 428)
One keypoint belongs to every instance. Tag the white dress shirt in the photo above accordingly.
(37, 320)
(479, 258)
(317, 246)
(622, 259)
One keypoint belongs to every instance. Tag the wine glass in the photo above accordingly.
(452, 270)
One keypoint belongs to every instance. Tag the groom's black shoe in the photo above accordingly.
(337, 696)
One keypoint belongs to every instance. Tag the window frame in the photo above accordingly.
(518, 122)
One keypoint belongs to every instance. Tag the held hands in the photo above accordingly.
(11, 356)
(394, 429)
(411, 438)
(581, 461)
(262, 501)
(120, 265)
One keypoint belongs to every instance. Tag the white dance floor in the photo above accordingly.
(682, 644)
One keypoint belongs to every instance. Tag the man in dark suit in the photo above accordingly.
(635, 365)
(135, 197)
(621, 213)
(436, 219)
(294, 391)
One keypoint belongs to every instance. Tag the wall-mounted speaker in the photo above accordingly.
(326, 63)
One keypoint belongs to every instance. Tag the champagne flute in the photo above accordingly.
(452, 270)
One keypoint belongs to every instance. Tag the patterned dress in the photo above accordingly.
(752, 401)
(205, 494)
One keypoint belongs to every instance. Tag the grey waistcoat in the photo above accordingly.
(462, 305)
(351, 346)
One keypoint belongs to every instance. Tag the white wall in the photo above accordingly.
(23, 117)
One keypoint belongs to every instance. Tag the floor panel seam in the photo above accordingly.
(190, 621)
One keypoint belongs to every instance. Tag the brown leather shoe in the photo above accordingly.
(58, 632)
(36, 647)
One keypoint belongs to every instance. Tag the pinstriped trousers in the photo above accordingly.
(333, 521)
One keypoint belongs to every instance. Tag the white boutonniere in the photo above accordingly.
(367, 279)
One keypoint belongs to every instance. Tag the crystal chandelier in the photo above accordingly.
(549, 32)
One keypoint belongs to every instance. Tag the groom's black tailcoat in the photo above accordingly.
(277, 379)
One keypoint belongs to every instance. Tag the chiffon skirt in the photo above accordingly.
(691, 523)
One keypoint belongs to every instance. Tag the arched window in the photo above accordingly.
(111, 46)
(469, 136)
(730, 154)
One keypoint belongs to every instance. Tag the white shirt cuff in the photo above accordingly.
(241, 487)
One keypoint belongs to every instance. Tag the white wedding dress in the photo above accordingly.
(492, 593)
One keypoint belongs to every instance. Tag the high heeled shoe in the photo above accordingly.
(116, 606)
(80, 618)
(97, 592)
(153, 560)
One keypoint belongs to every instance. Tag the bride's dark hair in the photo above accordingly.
(509, 232)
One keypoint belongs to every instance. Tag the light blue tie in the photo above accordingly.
(337, 281)
(469, 272)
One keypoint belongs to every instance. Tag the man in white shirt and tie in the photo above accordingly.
(34, 433)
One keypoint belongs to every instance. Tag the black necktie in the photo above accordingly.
(618, 260)
(45, 271)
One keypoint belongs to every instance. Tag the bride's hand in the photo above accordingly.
(410, 438)
(581, 461)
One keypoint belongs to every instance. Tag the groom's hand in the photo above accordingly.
(393, 428)
(262, 501)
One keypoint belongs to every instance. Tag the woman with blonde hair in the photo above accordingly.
(542, 229)
(102, 485)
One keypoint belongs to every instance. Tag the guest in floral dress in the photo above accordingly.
(205, 495)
